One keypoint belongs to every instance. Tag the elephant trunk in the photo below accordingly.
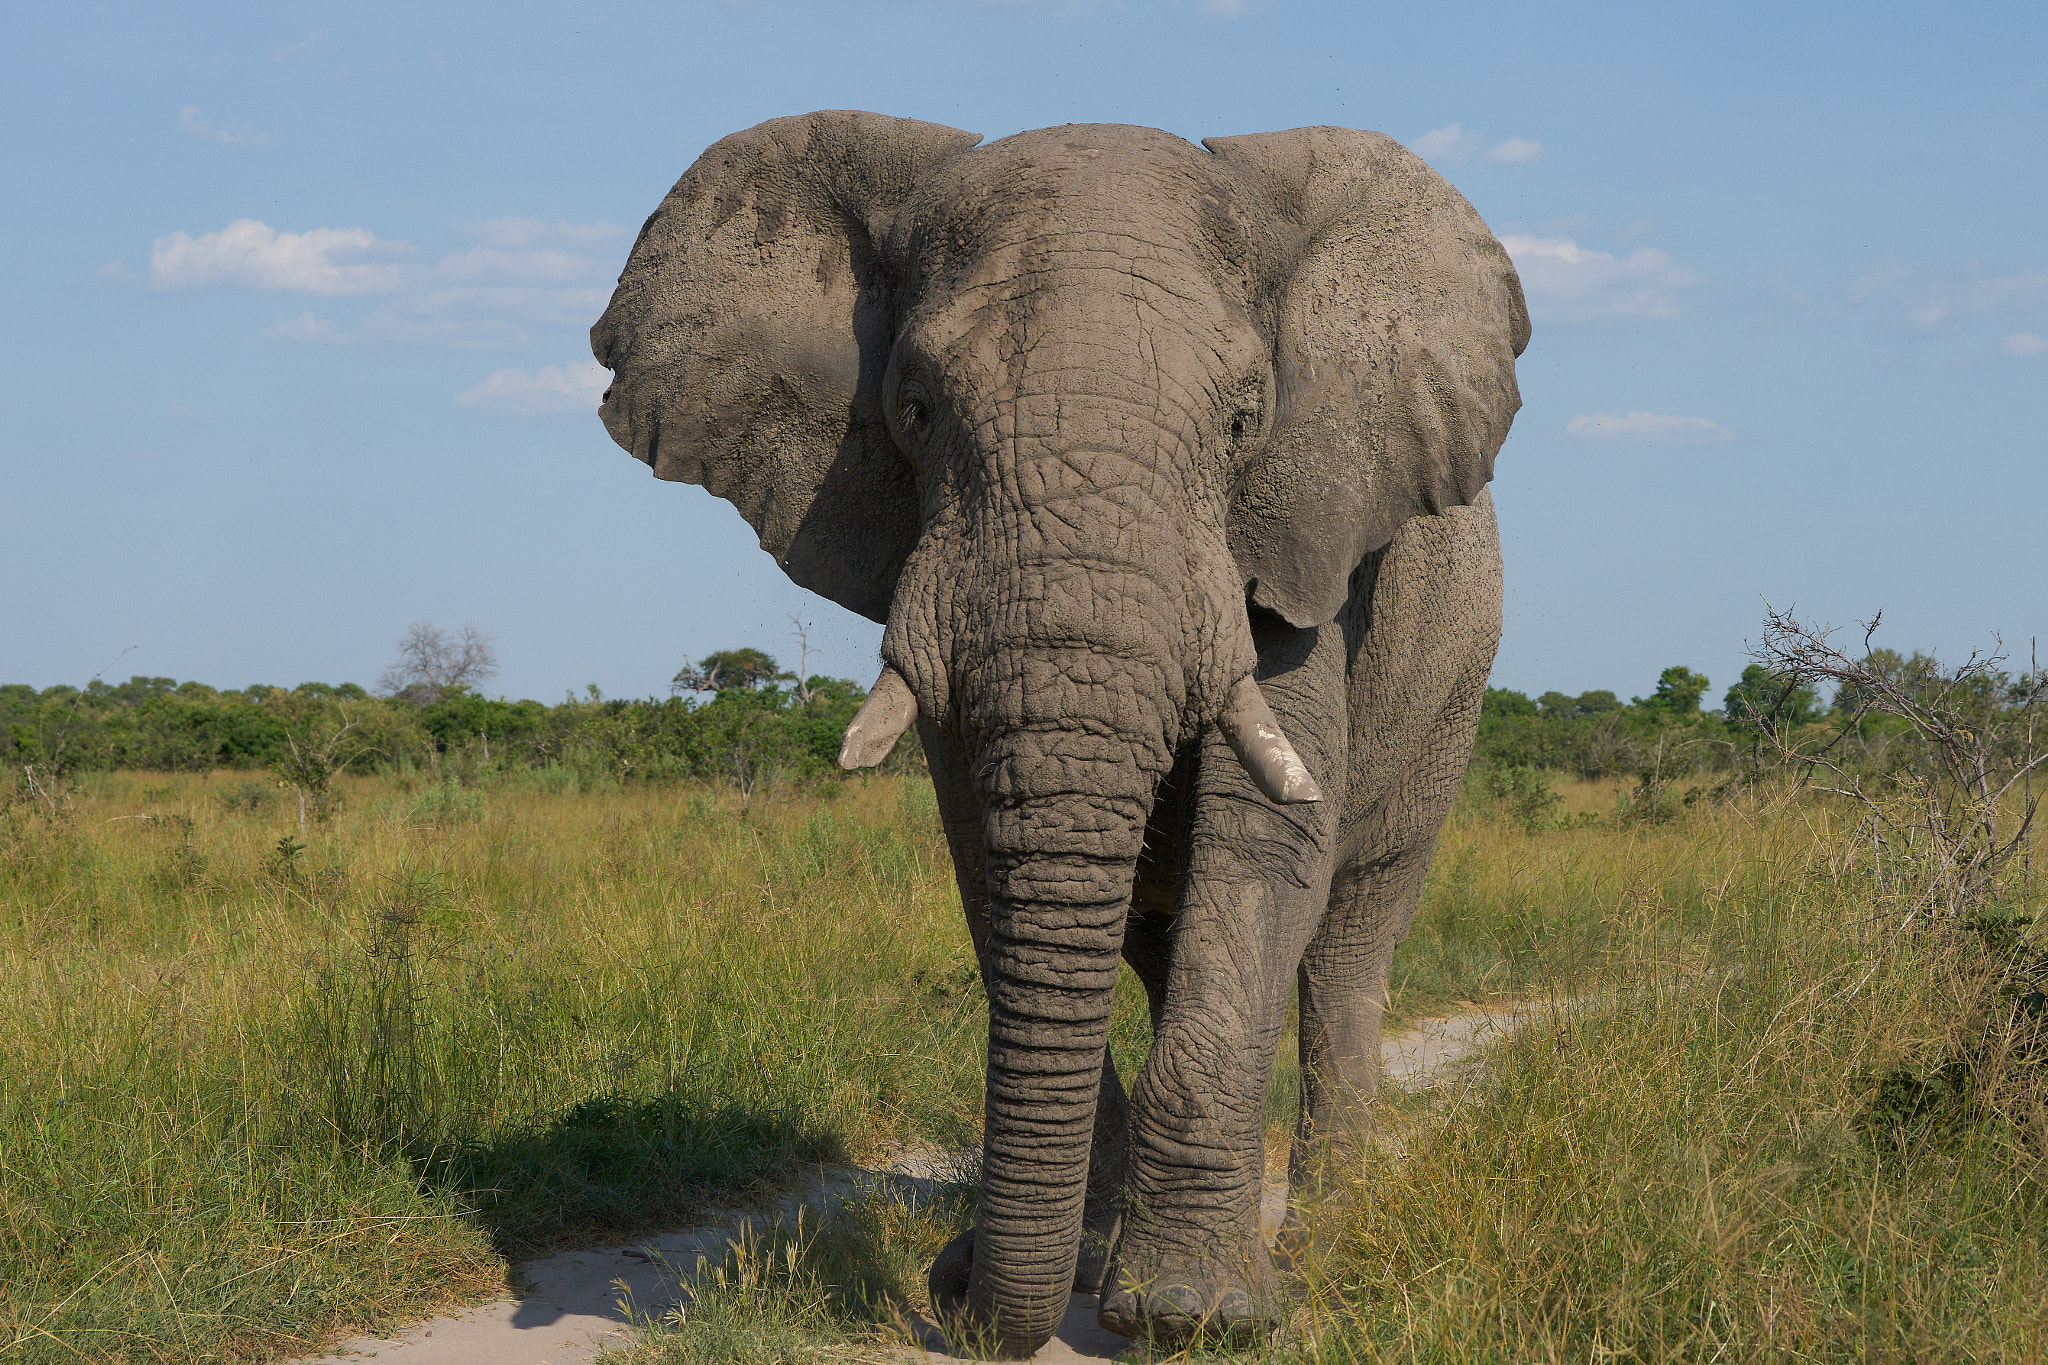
(1063, 833)
(1073, 620)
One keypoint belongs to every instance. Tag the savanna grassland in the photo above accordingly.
(258, 1086)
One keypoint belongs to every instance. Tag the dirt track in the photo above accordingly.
(573, 1306)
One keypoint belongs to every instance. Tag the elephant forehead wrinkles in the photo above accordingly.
(1120, 348)
(1090, 261)
(1154, 196)
(1105, 300)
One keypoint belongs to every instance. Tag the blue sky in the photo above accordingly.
(297, 299)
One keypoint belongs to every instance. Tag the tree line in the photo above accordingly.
(753, 730)
(737, 716)
(1597, 734)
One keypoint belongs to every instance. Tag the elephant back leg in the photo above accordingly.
(1424, 621)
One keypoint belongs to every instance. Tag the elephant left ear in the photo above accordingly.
(1397, 320)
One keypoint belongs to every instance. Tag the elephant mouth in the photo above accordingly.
(1247, 722)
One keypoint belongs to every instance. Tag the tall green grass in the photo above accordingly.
(1755, 1124)
(1700, 1165)
(256, 1088)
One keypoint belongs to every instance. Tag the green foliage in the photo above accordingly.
(1771, 699)
(728, 668)
(1596, 734)
(754, 735)
(1524, 795)
(1499, 701)
(1914, 674)
(1678, 693)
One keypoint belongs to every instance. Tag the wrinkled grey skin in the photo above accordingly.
(1098, 422)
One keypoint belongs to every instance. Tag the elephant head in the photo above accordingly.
(1061, 411)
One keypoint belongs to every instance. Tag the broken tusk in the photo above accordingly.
(880, 722)
(1254, 733)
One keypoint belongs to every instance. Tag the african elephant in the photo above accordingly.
(1166, 471)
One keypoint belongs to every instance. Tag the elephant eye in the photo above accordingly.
(1243, 424)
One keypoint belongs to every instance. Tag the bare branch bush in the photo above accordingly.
(431, 661)
(322, 735)
(802, 632)
(1946, 796)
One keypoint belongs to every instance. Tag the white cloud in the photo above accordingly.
(521, 272)
(550, 389)
(525, 251)
(1515, 152)
(1646, 429)
(192, 120)
(1570, 283)
(117, 271)
(258, 256)
(1454, 142)
(1982, 296)
(1451, 143)
(2024, 343)
(1234, 8)
(409, 325)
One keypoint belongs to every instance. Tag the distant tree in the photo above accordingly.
(431, 662)
(1499, 701)
(1911, 674)
(1678, 693)
(1594, 703)
(1555, 706)
(748, 668)
(1952, 805)
(1764, 697)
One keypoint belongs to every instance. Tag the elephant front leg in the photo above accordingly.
(1190, 1257)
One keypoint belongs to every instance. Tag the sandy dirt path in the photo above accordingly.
(573, 1306)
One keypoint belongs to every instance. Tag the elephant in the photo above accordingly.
(1165, 469)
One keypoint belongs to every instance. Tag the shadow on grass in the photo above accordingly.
(614, 1166)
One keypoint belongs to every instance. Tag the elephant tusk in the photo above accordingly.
(880, 722)
(1254, 733)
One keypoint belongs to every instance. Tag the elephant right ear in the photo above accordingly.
(749, 334)
(1396, 321)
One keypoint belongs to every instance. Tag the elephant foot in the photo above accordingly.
(1172, 1305)
(1291, 1245)
(948, 1279)
(966, 1331)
